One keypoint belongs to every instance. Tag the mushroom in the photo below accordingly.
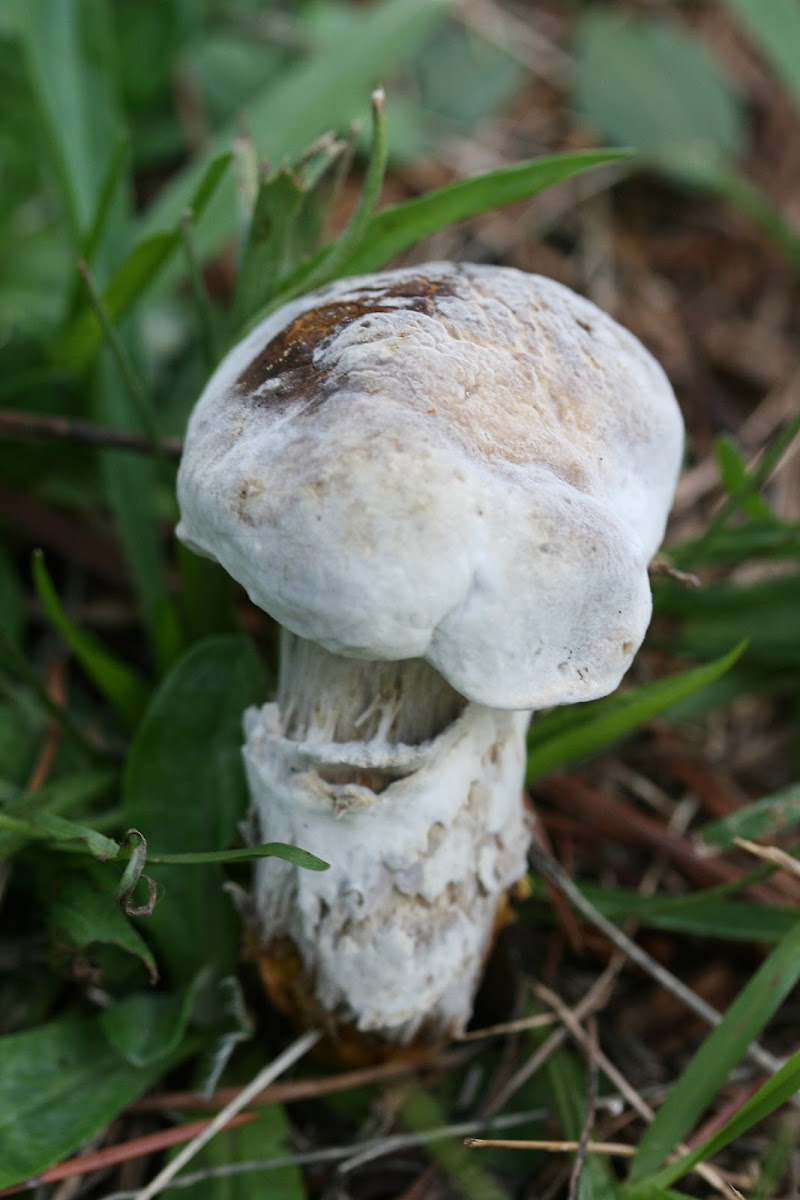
(445, 483)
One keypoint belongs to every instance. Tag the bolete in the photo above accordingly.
(446, 483)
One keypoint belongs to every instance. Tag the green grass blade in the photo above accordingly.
(330, 266)
(123, 689)
(784, 1084)
(265, 246)
(83, 338)
(324, 91)
(756, 478)
(400, 227)
(63, 46)
(268, 1137)
(83, 914)
(422, 1112)
(760, 819)
(60, 833)
(708, 913)
(721, 1051)
(61, 1083)
(292, 854)
(104, 206)
(561, 740)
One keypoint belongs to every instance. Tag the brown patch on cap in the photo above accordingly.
(289, 357)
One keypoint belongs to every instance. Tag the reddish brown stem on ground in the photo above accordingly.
(112, 1156)
(600, 815)
(284, 1093)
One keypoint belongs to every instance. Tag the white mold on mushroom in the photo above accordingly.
(423, 838)
(463, 470)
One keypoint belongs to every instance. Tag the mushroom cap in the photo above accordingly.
(463, 463)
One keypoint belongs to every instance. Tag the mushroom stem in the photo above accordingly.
(414, 797)
(394, 702)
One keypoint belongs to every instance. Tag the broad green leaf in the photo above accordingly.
(564, 737)
(648, 84)
(783, 1085)
(267, 1137)
(400, 227)
(59, 1085)
(124, 690)
(720, 1052)
(762, 818)
(774, 26)
(144, 1027)
(184, 789)
(83, 915)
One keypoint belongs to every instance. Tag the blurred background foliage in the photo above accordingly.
(168, 171)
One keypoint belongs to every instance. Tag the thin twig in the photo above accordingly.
(122, 1152)
(595, 998)
(548, 867)
(297, 1089)
(619, 1149)
(18, 425)
(370, 1150)
(364, 1151)
(282, 1063)
(520, 1025)
(770, 854)
(626, 1089)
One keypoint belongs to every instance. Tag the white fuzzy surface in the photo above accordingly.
(393, 937)
(462, 463)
